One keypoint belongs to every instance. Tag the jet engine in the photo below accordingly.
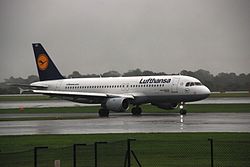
(167, 106)
(117, 104)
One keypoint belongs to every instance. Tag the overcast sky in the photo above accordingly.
(95, 36)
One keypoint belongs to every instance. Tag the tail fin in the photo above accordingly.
(45, 66)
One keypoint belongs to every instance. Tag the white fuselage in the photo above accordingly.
(144, 89)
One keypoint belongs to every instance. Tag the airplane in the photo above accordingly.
(117, 93)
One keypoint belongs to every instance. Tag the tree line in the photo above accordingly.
(220, 82)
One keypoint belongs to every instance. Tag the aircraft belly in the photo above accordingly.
(168, 98)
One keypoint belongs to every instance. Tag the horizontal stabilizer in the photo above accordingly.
(27, 86)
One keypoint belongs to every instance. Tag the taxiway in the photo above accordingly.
(125, 123)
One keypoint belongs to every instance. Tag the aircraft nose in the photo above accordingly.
(205, 91)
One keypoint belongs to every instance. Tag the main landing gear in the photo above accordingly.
(182, 110)
(136, 111)
(103, 112)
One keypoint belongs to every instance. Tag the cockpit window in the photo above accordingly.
(193, 84)
(197, 83)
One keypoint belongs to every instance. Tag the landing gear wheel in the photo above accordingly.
(103, 112)
(183, 112)
(136, 111)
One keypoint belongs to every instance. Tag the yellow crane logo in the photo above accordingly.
(42, 62)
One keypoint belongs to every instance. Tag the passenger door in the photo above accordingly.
(174, 85)
(58, 85)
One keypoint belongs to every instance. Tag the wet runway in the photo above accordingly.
(39, 104)
(125, 123)
(63, 103)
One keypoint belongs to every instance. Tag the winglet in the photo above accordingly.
(45, 66)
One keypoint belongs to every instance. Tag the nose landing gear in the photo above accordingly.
(182, 110)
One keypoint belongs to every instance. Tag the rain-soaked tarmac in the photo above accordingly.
(125, 123)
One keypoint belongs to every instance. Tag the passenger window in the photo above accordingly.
(187, 84)
(191, 84)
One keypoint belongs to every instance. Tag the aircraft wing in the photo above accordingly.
(82, 94)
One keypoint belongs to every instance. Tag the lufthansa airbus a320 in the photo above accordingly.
(117, 93)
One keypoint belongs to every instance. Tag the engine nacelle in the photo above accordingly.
(117, 104)
(167, 106)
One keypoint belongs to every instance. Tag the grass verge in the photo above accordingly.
(230, 95)
(27, 142)
(26, 98)
(154, 149)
